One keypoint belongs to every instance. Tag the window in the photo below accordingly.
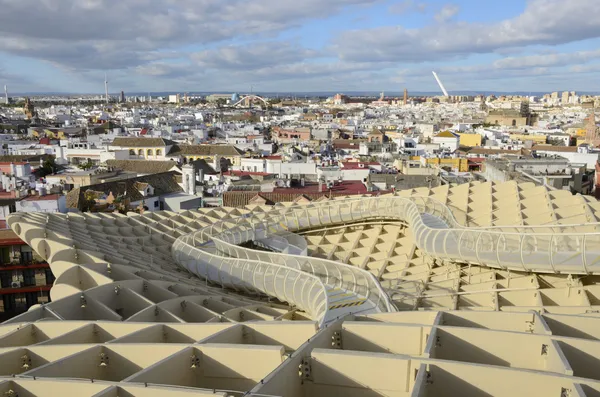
(44, 297)
(26, 256)
(149, 152)
(5, 255)
(49, 277)
(158, 152)
(156, 203)
(20, 301)
(6, 279)
(140, 152)
(131, 152)
(9, 302)
(28, 277)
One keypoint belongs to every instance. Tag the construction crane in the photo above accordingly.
(440, 84)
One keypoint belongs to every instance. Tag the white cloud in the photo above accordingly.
(447, 13)
(100, 34)
(253, 56)
(407, 6)
(544, 22)
(214, 44)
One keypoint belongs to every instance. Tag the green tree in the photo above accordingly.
(48, 167)
(89, 201)
(86, 166)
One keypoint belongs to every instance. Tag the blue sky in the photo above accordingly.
(300, 45)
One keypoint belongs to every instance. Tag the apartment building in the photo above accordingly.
(25, 278)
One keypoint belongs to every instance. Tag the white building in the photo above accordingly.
(46, 203)
(575, 155)
(356, 171)
(427, 129)
(447, 140)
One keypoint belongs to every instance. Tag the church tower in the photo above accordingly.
(189, 179)
(591, 131)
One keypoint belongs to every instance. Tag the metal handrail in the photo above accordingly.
(523, 250)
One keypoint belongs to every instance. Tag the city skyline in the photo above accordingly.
(284, 46)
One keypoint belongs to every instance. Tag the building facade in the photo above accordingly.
(25, 277)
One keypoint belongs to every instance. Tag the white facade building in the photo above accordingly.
(447, 140)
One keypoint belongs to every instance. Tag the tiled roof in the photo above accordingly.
(345, 187)
(356, 165)
(141, 142)
(202, 165)
(551, 148)
(239, 199)
(484, 151)
(142, 166)
(206, 150)
(245, 173)
(13, 162)
(387, 178)
(19, 158)
(163, 183)
(446, 134)
(49, 197)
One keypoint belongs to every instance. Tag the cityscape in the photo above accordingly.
(275, 199)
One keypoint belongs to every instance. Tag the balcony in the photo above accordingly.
(19, 264)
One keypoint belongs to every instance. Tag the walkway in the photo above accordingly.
(324, 287)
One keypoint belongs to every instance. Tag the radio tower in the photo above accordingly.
(5, 94)
(106, 87)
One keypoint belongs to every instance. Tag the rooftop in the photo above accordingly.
(405, 294)
(551, 148)
(142, 166)
(48, 197)
(347, 187)
(245, 173)
(354, 165)
(206, 150)
(128, 142)
(163, 183)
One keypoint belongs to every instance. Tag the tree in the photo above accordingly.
(48, 168)
(89, 201)
(86, 166)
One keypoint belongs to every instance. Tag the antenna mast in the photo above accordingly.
(106, 87)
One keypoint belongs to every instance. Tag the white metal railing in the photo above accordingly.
(434, 226)
(225, 236)
(286, 284)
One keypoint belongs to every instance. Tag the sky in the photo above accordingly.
(299, 45)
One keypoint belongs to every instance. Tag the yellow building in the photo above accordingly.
(145, 148)
(459, 164)
(47, 133)
(470, 140)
